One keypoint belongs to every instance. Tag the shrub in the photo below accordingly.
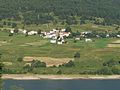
(105, 71)
(20, 59)
(77, 55)
(28, 68)
(115, 70)
(10, 34)
(69, 64)
(59, 72)
(37, 64)
(110, 63)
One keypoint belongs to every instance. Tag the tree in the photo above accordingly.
(37, 64)
(77, 55)
(105, 71)
(28, 68)
(9, 23)
(10, 34)
(39, 31)
(115, 70)
(59, 72)
(4, 23)
(82, 22)
(14, 25)
(0, 55)
(1, 71)
(110, 63)
(68, 29)
(69, 64)
(20, 59)
(16, 30)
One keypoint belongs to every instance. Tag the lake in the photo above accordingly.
(64, 84)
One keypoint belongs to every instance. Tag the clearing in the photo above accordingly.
(48, 60)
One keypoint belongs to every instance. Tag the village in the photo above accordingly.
(58, 36)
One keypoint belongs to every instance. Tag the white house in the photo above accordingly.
(63, 30)
(22, 31)
(32, 33)
(59, 43)
(88, 40)
(118, 36)
(12, 31)
(53, 41)
(107, 35)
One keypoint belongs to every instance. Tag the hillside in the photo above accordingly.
(64, 11)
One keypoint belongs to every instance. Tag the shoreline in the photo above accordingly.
(58, 77)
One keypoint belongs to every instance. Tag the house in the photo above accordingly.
(77, 37)
(88, 40)
(22, 31)
(98, 36)
(32, 33)
(87, 32)
(107, 35)
(12, 31)
(63, 30)
(59, 43)
(118, 36)
(53, 41)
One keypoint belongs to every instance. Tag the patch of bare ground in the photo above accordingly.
(48, 60)
(114, 44)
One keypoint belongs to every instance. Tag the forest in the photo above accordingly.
(105, 12)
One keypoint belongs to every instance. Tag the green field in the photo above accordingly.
(93, 54)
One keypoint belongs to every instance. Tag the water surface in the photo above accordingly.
(64, 84)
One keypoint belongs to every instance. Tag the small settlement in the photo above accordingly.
(58, 36)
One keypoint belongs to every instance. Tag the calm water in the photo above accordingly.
(65, 84)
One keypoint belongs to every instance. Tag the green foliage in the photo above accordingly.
(20, 59)
(69, 64)
(59, 72)
(27, 68)
(68, 29)
(92, 55)
(14, 25)
(37, 64)
(16, 30)
(110, 63)
(10, 34)
(77, 55)
(115, 70)
(39, 11)
(0, 55)
(1, 68)
(105, 71)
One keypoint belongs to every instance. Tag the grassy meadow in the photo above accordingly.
(92, 54)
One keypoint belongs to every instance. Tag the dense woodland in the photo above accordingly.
(105, 12)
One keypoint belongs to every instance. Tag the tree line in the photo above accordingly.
(105, 12)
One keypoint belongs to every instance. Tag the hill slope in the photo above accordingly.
(42, 11)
